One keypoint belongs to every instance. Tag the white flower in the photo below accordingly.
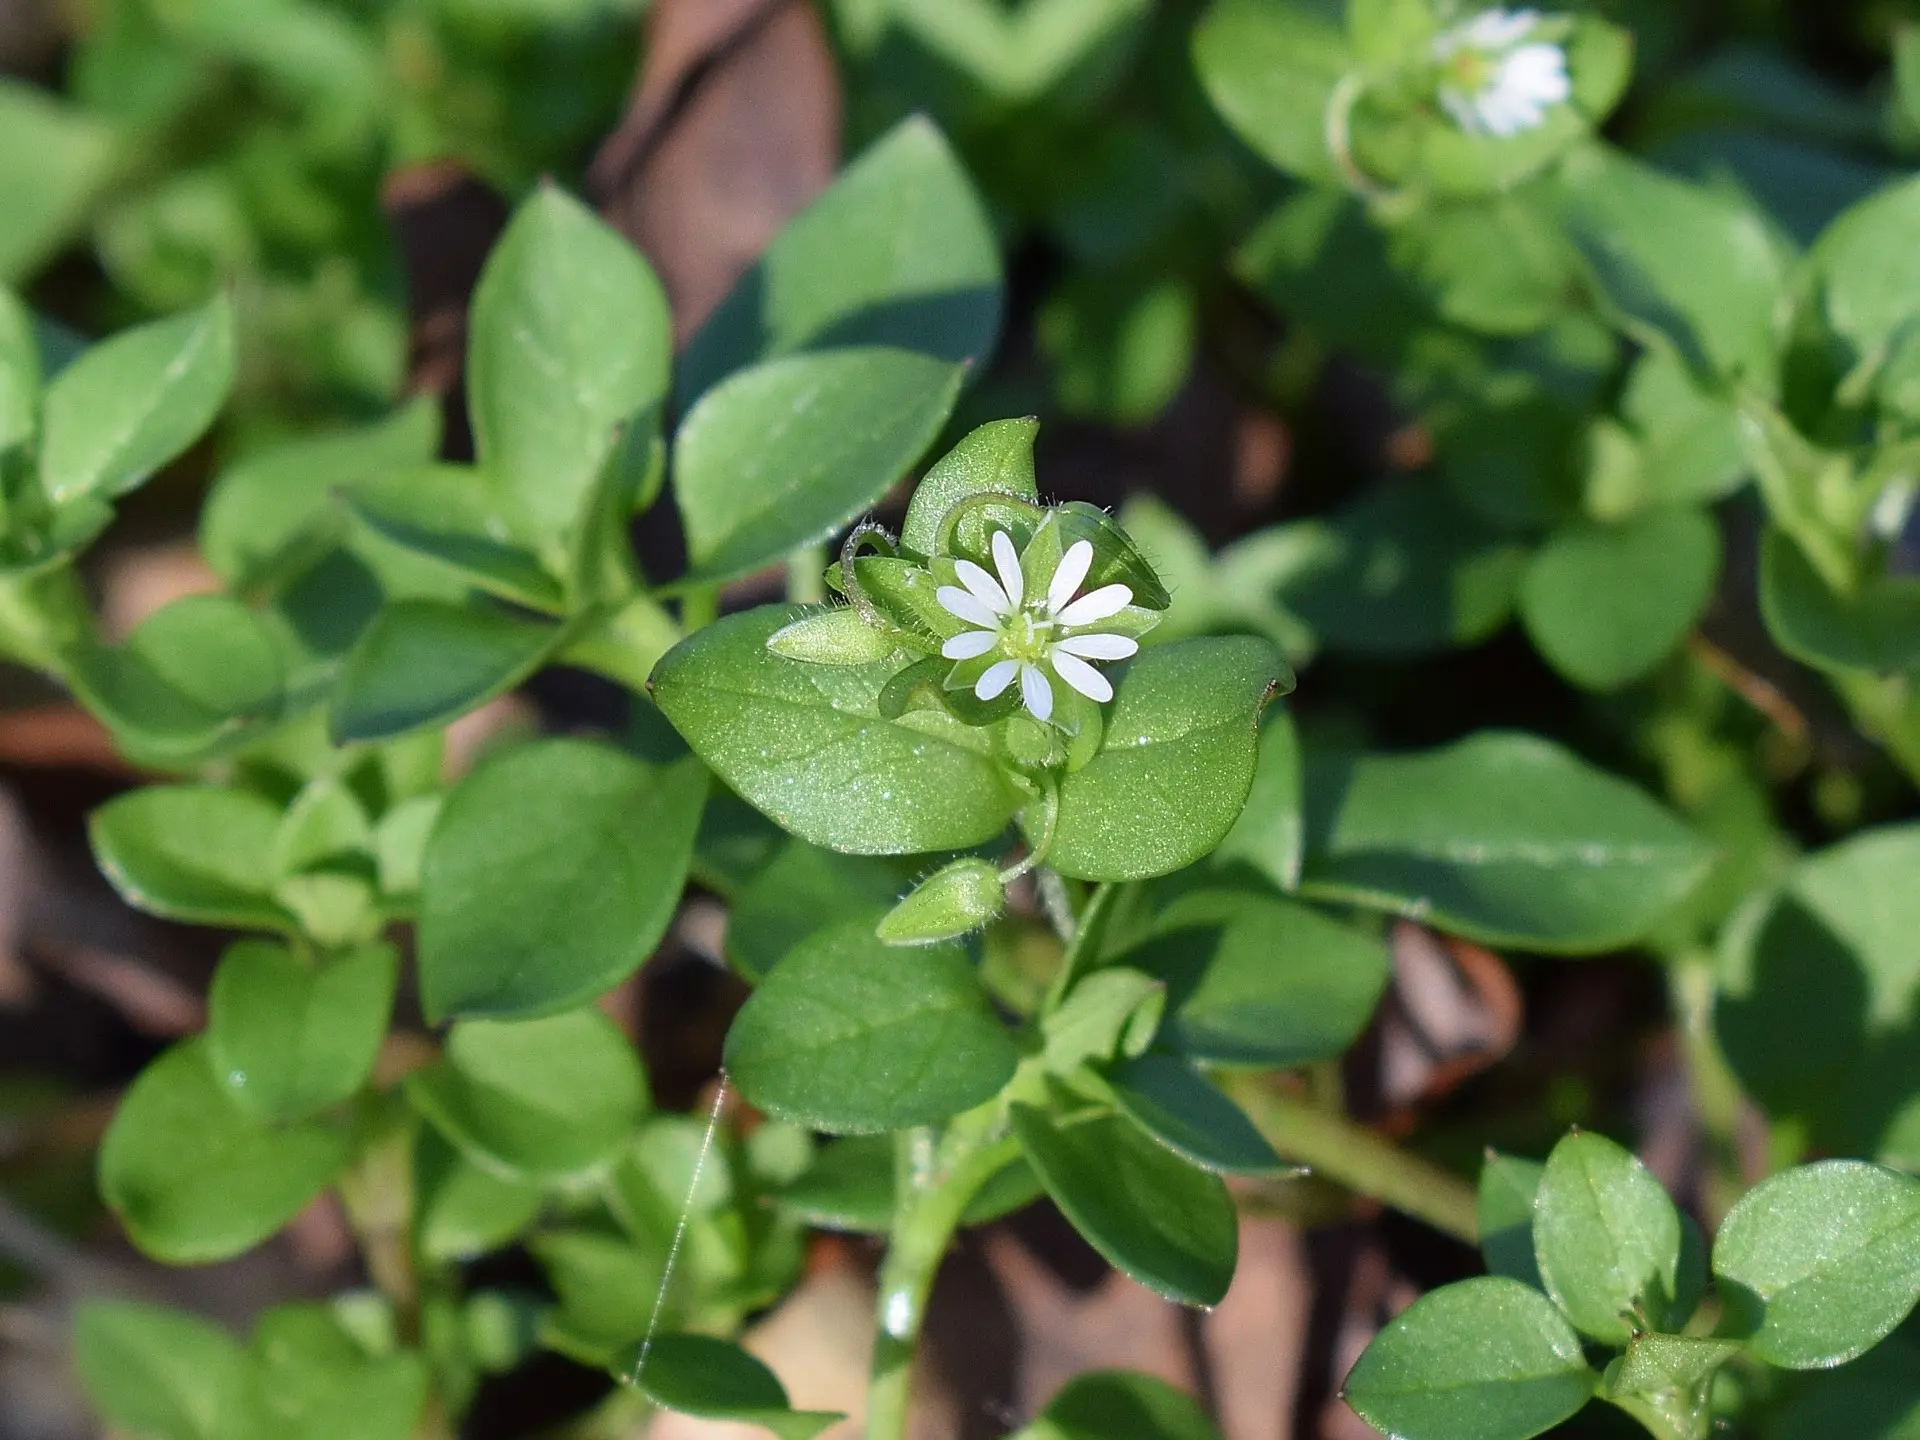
(1032, 636)
(1492, 82)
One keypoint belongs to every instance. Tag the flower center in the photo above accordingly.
(1471, 70)
(1026, 635)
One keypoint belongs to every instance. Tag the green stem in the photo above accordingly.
(932, 1198)
(699, 607)
(1715, 1091)
(42, 616)
(807, 575)
(1351, 1155)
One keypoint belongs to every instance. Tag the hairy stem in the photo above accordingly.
(1081, 948)
(1337, 1149)
(935, 1186)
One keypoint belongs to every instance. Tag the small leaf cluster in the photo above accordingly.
(1588, 1256)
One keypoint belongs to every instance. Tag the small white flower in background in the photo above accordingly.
(1033, 636)
(1494, 80)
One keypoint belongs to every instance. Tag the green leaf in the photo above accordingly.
(957, 899)
(1105, 1404)
(1176, 764)
(19, 373)
(1508, 1185)
(151, 1371)
(1256, 980)
(899, 252)
(848, 1035)
(1486, 1359)
(195, 678)
(316, 1382)
(462, 1210)
(806, 745)
(1168, 1224)
(289, 1036)
(1501, 837)
(1608, 1242)
(1817, 992)
(262, 513)
(552, 873)
(801, 890)
(1169, 1099)
(1607, 604)
(192, 852)
(1405, 571)
(784, 454)
(1270, 70)
(571, 344)
(1695, 267)
(134, 402)
(1819, 1263)
(1113, 1010)
(606, 1285)
(1866, 270)
(450, 516)
(194, 1176)
(717, 1380)
(995, 458)
(1121, 341)
(1036, 53)
(1871, 1399)
(1876, 628)
(54, 160)
(425, 662)
(1269, 835)
(551, 1097)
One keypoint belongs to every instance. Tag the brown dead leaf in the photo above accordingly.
(735, 125)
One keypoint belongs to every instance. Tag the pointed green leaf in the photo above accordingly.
(134, 402)
(571, 342)
(899, 252)
(424, 662)
(1502, 837)
(717, 1380)
(784, 454)
(1168, 1224)
(996, 458)
(1169, 1099)
(1105, 1404)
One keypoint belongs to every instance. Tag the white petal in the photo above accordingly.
(1035, 690)
(1462, 111)
(999, 675)
(970, 644)
(1082, 677)
(984, 586)
(967, 607)
(1497, 29)
(1007, 562)
(1073, 569)
(1099, 647)
(1102, 604)
(1538, 72)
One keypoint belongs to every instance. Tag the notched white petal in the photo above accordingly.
(984, 587)
(1099, 647)
(969, 644)
(1007, 561)
(1036, 692)
(999, 676)
(966, 606)
(1082, 677)
(1066, 579)
(1101, 604)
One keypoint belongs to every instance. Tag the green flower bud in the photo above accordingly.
(832, 637)
(950, 902)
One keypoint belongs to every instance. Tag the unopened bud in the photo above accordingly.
(950, 902)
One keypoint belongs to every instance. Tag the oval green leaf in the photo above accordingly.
(717, 1380)
(424, 662)
(806, 744)
(1502, 837)
(550, 876)
(850, 1035)
(1106, 1404)
(1486, 1359)
(1168, 1224)
(1173, 1102)
(192, 852)
(151, 1371)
